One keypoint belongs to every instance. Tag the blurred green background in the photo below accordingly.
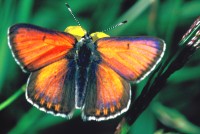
(175, 109)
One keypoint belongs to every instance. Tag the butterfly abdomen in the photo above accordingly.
(85, 59)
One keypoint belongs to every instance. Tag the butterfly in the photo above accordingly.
(75, 70)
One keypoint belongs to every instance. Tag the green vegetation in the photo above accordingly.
(175, 108)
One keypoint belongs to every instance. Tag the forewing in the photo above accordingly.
(51, 89)
(34, 47)
(108, 94)
(133, 58)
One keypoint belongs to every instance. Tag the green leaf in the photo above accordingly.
(132, 14)
(145, 124)
(27, 122)
(185, 74)
(12, 98)
(174, 119)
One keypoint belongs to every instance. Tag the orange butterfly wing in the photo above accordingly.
(34, 47)
(51, 89)
(123, 59)
(110, 95)
(133, 58)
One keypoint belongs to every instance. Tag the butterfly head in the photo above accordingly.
(79, 33)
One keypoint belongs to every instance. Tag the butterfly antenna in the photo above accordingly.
(70, 10)
(119, 24)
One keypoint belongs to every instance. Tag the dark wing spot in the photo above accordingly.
(128, 46)
(44, 37)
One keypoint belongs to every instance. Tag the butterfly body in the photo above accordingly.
(84, 58)
(74, 70)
